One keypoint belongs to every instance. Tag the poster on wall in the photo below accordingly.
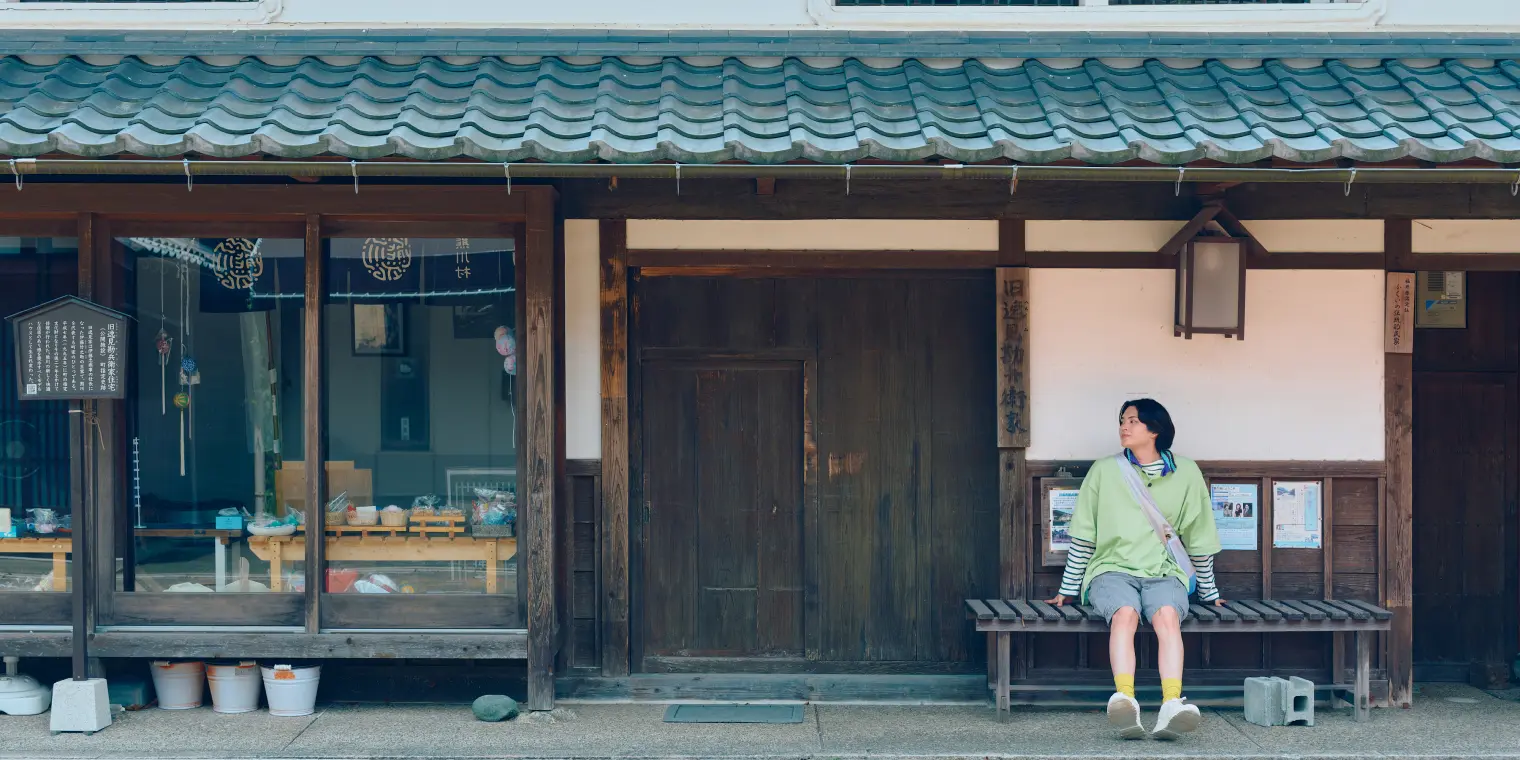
(1235, 514)
(1058, 505)
(1297, 515)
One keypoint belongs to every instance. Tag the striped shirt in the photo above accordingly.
(1081, 553)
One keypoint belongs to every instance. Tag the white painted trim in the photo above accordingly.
(1102, 17)
(1466, 236)
(583, 339)
(814, 234)
(77, 15)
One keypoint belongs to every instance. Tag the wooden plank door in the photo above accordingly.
(722, 555)
(1464, 506)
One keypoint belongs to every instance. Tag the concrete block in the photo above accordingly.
(1298, 702)
(1264, 701)
(81, 705)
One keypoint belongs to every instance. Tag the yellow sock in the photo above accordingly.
(1171, 688)
(1124, 683)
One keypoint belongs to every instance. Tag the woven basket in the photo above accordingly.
(355, 518)
(336, 518)
(393, 519)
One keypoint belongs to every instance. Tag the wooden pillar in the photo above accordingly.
(538, 467)
(314, 435)
(1398, 411)
(1012, 409)
(614, 523)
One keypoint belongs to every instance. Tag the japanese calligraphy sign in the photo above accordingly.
(70, 348)
(1013, 357)
(1398, 335)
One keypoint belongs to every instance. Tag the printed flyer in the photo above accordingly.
(1235, 514)
(1296, 515)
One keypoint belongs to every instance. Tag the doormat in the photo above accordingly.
(733, 714)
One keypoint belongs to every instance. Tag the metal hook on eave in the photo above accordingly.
(1349, 180)
(847, 168)
(1514, 189)
(16, 173)
(1013, 180)
(1177, 191)
(678, 178)
(507, 169)
(189, 178)
(353, 168)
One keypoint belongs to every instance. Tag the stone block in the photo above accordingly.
(1264, 701)
(1298, 702)
(81, 705)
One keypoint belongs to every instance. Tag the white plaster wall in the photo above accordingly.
(815, 234)
(583, 340)
(1281, 235)
(1306, 383)
(1467, 235)
(1382, 15)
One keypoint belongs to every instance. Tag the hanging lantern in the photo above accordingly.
(1211, 287)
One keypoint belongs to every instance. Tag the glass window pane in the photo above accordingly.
(214, 414)
(421, 416)
(35, 514)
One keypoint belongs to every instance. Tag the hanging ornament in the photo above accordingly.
(181, 402)
(506, 345)
(189, 376)
(162, 341)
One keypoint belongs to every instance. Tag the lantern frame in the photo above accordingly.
(1187, 272)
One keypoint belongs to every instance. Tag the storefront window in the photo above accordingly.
(215, 487)
(35, 514)
(421, 385)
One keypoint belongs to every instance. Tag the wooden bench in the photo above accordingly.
(1000, 618)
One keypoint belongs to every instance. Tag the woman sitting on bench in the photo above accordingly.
(1121, 563)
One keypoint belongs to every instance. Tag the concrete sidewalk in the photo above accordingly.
(1448, 722)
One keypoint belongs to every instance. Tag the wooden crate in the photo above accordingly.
(439, 525)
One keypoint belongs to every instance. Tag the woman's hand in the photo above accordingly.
(1220, 602)
(1058, 601)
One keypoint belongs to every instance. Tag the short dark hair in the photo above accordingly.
(1155, 418)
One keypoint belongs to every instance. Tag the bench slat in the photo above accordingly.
(1267, 613)
(1092, 613)
(1069, 613)
(1356, 613)
(980, 609)
(1046, 611)
(1203, 614)
(1244, 613)
(1378, 613)
(1309, 612)
(1024, 609)
(1224, 613)
(1004, 612)
(1288, 613)
(1334, 612)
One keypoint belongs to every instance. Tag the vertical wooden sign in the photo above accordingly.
(1398, 335)
(1013, 357)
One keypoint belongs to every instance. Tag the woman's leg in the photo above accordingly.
(1121, 648)
(1168, 627)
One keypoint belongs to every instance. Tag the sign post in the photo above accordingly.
(70, 349)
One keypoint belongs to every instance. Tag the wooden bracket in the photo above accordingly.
(1216, 212)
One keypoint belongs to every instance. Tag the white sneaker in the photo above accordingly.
(1177, 718)
(1124, 714)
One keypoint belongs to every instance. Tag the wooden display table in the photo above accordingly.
(60, 548)
(274, 550)
(222, 539)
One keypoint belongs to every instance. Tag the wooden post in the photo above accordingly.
(1398, 410)
(83, 473)
(536, 366)
(614, 523)
(1012, 409)
(314, 434)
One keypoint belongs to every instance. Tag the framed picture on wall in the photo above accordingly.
(1058, 503)
(379, 329)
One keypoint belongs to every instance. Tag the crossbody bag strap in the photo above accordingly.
(1137, 489)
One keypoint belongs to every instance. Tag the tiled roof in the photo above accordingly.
(556, 111)
(769, 42)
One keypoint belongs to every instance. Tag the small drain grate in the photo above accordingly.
(734, 714)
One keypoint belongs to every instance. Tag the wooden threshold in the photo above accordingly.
(800, 665)
(802, 687)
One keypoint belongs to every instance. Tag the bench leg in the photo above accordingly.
(1363, 698)
(1005, 662)
(991, 661)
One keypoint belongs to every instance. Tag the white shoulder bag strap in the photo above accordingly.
(1164, 530)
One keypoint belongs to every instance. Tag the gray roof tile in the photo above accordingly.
(672, 110)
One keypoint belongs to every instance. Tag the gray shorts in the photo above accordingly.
(1111, 592)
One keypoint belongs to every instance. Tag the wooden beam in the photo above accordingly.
(614, 524)
(1013, 407)
(1012, 251)
(814, 260)
(314, 435)
(389, 646)
(538, 458)
(1398, 425)
(169, 201)
(1190, 230)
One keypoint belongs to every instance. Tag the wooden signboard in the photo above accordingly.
(1398, 336)
(70, 348)
(1013, 357)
